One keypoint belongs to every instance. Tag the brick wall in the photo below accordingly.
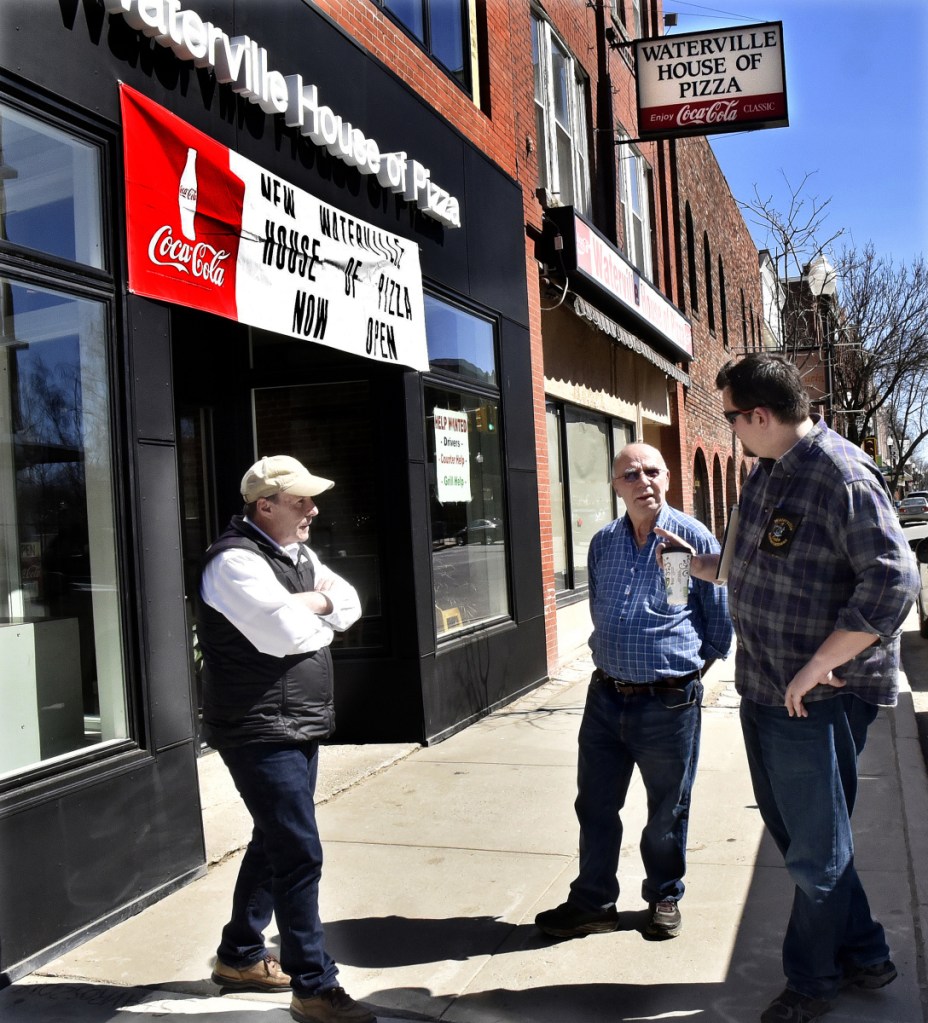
(716, 216)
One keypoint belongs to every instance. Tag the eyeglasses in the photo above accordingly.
(632, 475)
(732, 414)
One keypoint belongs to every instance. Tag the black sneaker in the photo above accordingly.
(665, 920)
(870, 977)
(792, 1007)
(568, 921)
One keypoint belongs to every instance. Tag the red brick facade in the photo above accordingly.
(725, 326)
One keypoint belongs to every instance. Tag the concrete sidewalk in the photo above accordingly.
(438, 859)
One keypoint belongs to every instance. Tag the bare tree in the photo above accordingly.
(872, 340)
(908, 426)
(881, 350)
(796, 236)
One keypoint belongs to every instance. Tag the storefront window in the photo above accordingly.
(558, 519)
(460, 343)
(581, 447)
(469, 567)
(468, 508)
(62, 680)
(49, 190)
(590, 494)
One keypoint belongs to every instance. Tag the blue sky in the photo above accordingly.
(857, 87)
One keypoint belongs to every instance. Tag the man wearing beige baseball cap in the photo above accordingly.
(268, 612)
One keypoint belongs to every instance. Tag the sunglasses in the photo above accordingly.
(732, 415)
(632, 475)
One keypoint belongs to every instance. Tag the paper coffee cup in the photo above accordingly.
(676, 561)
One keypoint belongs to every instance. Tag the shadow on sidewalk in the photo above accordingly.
(391, 942)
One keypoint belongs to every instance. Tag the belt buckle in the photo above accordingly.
(630, 687)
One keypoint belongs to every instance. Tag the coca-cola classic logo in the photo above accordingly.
(714, 113)
(199, 260)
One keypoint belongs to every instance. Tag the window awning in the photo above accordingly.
(625, 337)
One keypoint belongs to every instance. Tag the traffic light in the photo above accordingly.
(869, 446)
(485, 418)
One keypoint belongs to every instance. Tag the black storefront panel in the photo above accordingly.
(103, 850)
(149, 333)
(167, 665)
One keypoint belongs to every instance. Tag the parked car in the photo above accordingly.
(484, 531)
(921, 556)
(914, 508)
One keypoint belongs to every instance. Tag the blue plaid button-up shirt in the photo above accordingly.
(637, 636)
(819, 548)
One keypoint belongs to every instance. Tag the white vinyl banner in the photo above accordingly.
(309, 270)
(209, 229)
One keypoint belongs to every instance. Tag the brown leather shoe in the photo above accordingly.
(264, 975)
(331, 1006)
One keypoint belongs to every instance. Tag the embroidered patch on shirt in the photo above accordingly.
(779, 533)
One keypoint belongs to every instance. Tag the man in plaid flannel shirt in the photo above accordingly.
(821, 582)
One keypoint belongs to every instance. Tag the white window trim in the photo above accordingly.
(622, 9)
(633, 164)
(552, 174)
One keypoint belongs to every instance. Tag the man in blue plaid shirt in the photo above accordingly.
(643, 705)
(821, 582)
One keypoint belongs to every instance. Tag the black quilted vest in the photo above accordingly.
(249, 696)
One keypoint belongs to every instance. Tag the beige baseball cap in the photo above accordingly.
(276, 474)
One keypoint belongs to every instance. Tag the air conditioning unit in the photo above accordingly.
(550, 200)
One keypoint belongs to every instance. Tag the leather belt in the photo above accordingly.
(660, 683)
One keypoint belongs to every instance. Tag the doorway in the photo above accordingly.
(242, 393)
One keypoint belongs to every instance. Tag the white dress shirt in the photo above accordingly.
(242, 586)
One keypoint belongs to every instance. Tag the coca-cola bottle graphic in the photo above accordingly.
(187, 196)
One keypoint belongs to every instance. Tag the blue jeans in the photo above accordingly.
(282, 864)
(804, 772)
(659, 733)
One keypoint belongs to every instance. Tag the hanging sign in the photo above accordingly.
(211, 230)
(701, 83)
(452, 456)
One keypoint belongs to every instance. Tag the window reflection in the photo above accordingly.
(558, 493)
(469, 564)
(440, 26)
(49, 190)
(590, 494)
(325, 426)
(460, 343)
(446, 20)
(410, 13)
(60, 643)
(581, 447)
